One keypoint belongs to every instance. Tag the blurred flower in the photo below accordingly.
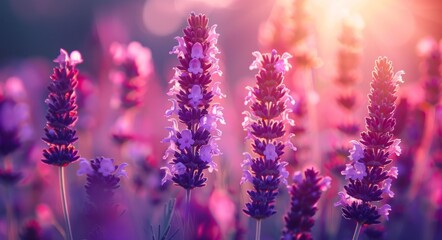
(10, 177)
(223, 209)
(430, 53)
(191, 150)
(60, 133)
(31, 231)
(103, 178)
(304, 195)
(265, 125)
(135, 62)
(12, 117)
(368, 174)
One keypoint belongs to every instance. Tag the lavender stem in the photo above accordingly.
(65, 204)
(258, 229)
(357, 231)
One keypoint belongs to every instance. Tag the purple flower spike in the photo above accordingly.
(192, 148)
(270, 104)
(60, 133)
(11, 116)
(304, 196)
(368, 172)
(103, 177)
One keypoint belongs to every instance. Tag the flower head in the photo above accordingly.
(60, 133)
(369, 173)
(103, 178)
(305, 194)
(134, 67)
(265, 126)
(191, 149)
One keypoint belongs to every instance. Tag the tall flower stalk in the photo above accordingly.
(304, 196)
(193, 115)
(135, 68)
(60, 133)
(349, 57)
(265, 126)
(369, 172)
(431, 62)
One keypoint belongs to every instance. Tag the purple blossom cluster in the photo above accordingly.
(103, 178)
(270, 104)
(305, 194)
(192, 148)
(369, 172)
(60, 133)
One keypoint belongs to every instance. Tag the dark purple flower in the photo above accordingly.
(103, 178)
(60, 133)
(265, 126)
(31, 231)
(9, 177)
(191, 149)
(369, 173)
(13, 116)
(305, 194)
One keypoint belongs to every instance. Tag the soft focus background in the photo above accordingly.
(33, 31)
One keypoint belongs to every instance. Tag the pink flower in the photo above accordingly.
(180, 49)
(257, 64)
(283, 65)
(395, 148)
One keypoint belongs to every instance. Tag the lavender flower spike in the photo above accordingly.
(192, 147)
(304, 196)
(103, 177)
(265, 125)
(369, 171)
(60, 133)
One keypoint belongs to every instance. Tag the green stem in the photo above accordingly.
(258, 229)
(357, 231)
(65, 204)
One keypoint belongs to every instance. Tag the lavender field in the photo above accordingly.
(228, 119)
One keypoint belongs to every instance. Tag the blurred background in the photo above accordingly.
(33, 31)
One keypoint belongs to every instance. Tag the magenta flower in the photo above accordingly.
(304, 196)
(193, 115)
(135, 67)
(369, 172)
